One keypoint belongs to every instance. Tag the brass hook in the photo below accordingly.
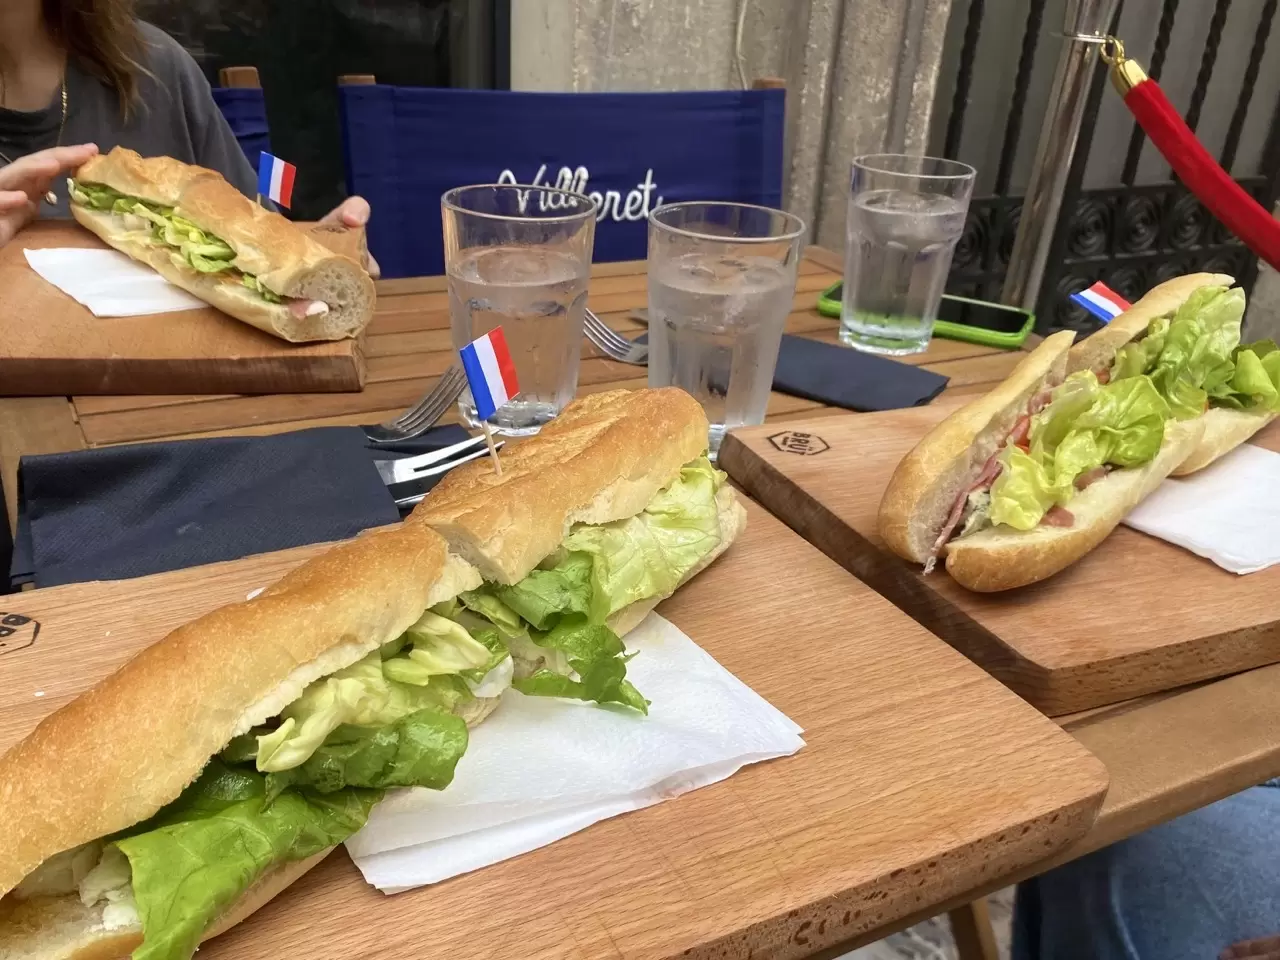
(1125, 73)
(1111, 51)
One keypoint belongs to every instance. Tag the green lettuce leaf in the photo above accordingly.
(216, 841)
(1139, 356)
(1085, 426)
(1197, 356)
(256, 286)
(1255, 384)
(1069, 401)
(205, 265)
(546, 594)
(498, 651)
(96, 195)
(648, 555)
(441, 646)
(362, 694)
(596, 654)
(1123, 426)
(488, 606)
(420, 750)
(1025, 490)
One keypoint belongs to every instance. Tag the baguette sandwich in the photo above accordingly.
(1185, 335)
(220, 764)
(1022, 482)
(199, 232)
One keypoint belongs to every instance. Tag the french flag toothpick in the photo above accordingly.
(275, 179)
(491, 375)
(1103, 302)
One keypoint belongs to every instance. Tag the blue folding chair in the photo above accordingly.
(405, 146)
(241, 101)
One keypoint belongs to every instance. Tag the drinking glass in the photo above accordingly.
(721, 280)
(905, 216)
(519, 257)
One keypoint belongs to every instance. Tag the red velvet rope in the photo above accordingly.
(1212, 185)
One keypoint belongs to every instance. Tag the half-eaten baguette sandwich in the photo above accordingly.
(220, 764)
(1021, 483)
(1185, 335)
(199, 232)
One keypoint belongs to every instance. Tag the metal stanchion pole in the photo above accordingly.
(1085, 26)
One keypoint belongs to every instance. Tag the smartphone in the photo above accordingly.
(960, 318)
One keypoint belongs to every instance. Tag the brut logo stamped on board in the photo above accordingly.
(17, 632)
(795, 441)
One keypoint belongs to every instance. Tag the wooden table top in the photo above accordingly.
(1167, 754)
(408, 347)
(921, 777)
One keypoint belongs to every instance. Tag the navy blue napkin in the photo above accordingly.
(128, 511)
(844, 377)
(6, 541)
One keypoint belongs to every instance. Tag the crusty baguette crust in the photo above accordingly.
(92, 768)
(1224, 430)
(1097, 351)
(281, 255)
(926, 483)
(61, 928)
(159, 180)
(602, 459)
(999, 558)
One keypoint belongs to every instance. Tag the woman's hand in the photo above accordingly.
(24, 183)
(353, 212)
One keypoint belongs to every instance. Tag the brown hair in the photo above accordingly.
(102, 37)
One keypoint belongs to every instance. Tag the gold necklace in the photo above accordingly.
(50, 197)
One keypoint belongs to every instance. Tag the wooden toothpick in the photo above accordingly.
(493, 450)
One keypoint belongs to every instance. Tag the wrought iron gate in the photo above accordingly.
(1129, 234)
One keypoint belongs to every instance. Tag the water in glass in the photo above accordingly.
(537, 295)
(714, 328)
(899, 250)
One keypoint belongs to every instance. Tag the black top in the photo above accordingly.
(174, 116)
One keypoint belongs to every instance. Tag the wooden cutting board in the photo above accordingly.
(1135, 616)
(922, 778)
(50, 344)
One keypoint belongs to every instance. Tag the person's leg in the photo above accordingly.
(1180, 891)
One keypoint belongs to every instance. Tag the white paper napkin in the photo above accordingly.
(541, 769)
(1228, 512)
(109, 283)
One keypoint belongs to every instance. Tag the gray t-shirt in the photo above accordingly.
(174, 116)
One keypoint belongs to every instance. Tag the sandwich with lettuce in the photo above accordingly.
(217, 766)
(1185, 336)
(199, 232)
(1024, 481)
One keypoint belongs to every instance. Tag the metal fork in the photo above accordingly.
(430, 465)
(422, 416)
(614, 345)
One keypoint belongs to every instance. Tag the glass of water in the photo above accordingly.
(905, 216)
(721, 280)
(519, 257)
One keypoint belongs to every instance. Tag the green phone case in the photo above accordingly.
(952, 331)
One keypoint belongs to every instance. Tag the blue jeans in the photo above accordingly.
(1181, 891)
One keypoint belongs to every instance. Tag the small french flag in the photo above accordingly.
(1103, 302)
(275, 179)
(491, 374)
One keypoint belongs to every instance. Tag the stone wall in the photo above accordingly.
(860, 75)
